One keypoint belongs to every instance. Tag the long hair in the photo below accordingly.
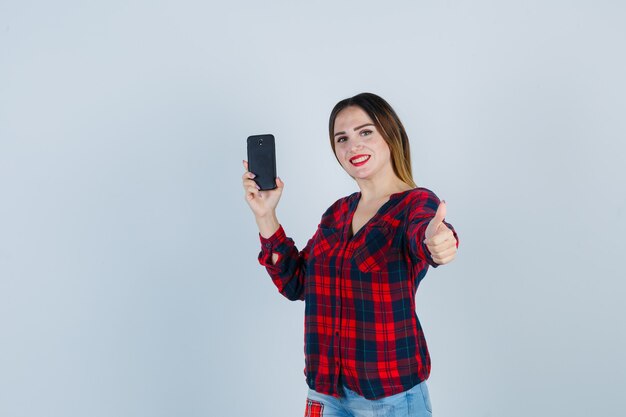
(388, 124)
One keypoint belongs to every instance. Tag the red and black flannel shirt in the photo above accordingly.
(359, 294)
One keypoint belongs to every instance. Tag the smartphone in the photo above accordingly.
(262, 160)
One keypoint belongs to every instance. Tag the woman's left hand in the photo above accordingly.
(439, 238)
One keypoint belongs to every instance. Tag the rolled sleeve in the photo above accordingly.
(272, 245)
(288, 273)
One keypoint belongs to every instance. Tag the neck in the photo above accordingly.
(379, 190)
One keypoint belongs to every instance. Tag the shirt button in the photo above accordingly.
(268, 245)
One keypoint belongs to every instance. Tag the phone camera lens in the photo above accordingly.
(260, 142)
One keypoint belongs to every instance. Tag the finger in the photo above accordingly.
(445, 260)
(248, 174)
(444, 252)
(245, 166)
(279, 183)
(445, 245)
(253, 190)
(448, 244)
(249, 183)
(442, 256)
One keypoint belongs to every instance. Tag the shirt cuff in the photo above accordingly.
(269, 245)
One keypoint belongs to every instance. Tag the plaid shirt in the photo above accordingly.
(359, 294)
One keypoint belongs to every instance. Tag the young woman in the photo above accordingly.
(365, 352)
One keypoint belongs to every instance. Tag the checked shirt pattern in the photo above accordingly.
(359, 293)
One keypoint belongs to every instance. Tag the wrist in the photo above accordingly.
(268, 224)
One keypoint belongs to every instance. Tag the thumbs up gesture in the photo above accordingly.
(440, 240)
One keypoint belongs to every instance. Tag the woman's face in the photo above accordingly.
(359, 146)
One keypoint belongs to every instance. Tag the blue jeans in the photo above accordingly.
(414, 402)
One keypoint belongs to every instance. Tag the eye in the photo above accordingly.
(341, 139)
(366, 132)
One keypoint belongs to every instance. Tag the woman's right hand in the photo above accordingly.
(262, 203)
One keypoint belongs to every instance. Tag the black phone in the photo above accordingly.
(262, 160)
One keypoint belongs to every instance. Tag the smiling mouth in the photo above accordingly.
(359, 160)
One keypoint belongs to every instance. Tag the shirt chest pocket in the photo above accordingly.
(373, 254)
(324, 243)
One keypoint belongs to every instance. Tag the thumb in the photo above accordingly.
(441, 213)
(279, 183)
(434, 223)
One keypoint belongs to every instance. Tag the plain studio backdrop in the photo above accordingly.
(129, 279)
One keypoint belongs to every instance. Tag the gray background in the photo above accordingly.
(129, 284)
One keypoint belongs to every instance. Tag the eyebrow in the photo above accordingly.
(355, 129)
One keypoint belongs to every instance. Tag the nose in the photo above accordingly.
(356, 145)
